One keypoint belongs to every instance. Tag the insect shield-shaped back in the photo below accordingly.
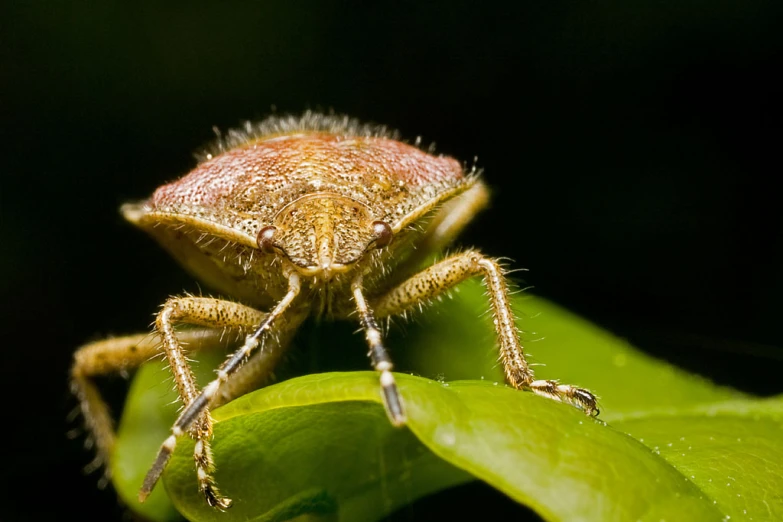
(323, 233)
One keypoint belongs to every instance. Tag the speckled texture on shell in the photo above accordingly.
(319, 185)
(245, 187)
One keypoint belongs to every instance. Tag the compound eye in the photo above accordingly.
(266, 238)
(383, 233)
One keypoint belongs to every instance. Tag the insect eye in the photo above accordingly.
(265, 239)
(382, 232)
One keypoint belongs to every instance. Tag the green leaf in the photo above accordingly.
(297, 436)
(732, 451)
(321, 445)
(346, 452)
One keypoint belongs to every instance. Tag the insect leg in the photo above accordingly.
(436, 279)
(215, 313)
(379, 357)
(197, 409)
(117, 355)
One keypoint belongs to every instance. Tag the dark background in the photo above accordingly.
(632, 147)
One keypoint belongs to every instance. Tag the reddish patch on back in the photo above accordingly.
(273, 162)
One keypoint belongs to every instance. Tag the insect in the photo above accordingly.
(298, 216)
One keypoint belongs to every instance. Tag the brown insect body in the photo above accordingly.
(321, 191)
(295, 217)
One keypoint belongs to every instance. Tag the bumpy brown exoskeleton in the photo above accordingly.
(292, 217)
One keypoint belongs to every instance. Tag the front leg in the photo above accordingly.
(438, 278)
(379, 356)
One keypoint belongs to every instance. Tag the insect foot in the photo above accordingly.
(291, 218)
(572, 395)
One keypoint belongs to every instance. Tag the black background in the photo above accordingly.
(633, 149)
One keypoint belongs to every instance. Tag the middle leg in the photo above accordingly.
(214, 313)
(438, 278)
(197, 409)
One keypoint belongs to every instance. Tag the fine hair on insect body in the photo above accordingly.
(294, 217)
